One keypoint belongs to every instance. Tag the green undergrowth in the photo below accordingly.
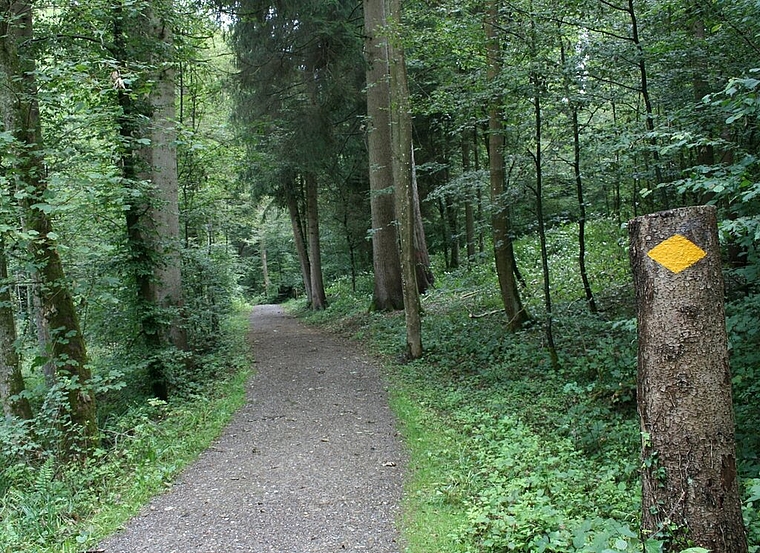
(506, 453)
(47, 506)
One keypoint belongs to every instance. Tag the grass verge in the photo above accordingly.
(506, 453)
(47, 507)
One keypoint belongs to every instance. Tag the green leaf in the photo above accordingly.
(44, 207)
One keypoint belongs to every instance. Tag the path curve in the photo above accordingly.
(311, 464)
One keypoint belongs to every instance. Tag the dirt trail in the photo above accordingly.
(311, 464)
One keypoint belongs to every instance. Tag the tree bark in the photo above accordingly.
(11, 379)
(265, 264)
(318, 298)
(147, 126)
(537, 157)
(502, 238)
(21, 117)
(453, 226)
(573, 109)
(469, 210)
(387, 293)
(291, 197)
(165, 208)
(425, 277)
(401, 140)
(649, 110)
(690, 486)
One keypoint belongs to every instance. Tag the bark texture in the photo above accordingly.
(11, 379)
(690, 486)
(148, 127)
(318, 297)
(401, 134)
(165, 208)
(296, 222)
(387, 294)
(423, 269)
(469, 210)
(502, 232)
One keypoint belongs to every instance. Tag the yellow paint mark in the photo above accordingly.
(677, 253)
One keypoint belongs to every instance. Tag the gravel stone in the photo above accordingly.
(311, 464)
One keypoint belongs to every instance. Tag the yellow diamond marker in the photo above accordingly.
(677, 253)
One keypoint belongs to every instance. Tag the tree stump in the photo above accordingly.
(690, 487)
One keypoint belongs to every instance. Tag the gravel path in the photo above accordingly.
(311, 464)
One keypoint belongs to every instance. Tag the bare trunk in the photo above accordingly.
(298, 237)
(590, 302)
(425, 277)
(453, 225)
(537, 157)
(502, 238)
(645, 94)
(469, 210)
(401, 134)
(165, 208)
(11, 380)
(318, 298)
(387, 294)
(265, 265)
(690, 486)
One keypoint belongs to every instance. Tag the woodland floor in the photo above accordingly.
(311, 464)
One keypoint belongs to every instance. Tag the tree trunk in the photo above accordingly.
(387, 294)
(425, 277)
(152, 216)
(690, 486)
(11, 379)
(537, 157)
(401, 140)
(469, 210)
(291, 198)
(590, 301)
(645, 93)
(165, 207)
(502, 239)
(573, 108)
(453, 225)
(20, 113)
(43, 331)
(443, 217)
(478, 192)
(318, 298)
(265, 264)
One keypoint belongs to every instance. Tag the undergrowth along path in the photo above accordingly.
(311, 464)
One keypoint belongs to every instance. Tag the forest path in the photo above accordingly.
(311, 464)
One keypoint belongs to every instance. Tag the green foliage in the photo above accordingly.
(508, 455)
(49, 506)
(744, 339)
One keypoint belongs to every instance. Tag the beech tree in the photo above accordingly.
(147, 125)
(25, 169)
(387, 293)
(403, 162)
(502, 227)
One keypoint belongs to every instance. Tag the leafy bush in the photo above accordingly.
(46, 505)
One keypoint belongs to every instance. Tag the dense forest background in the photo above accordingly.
(166, 163)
